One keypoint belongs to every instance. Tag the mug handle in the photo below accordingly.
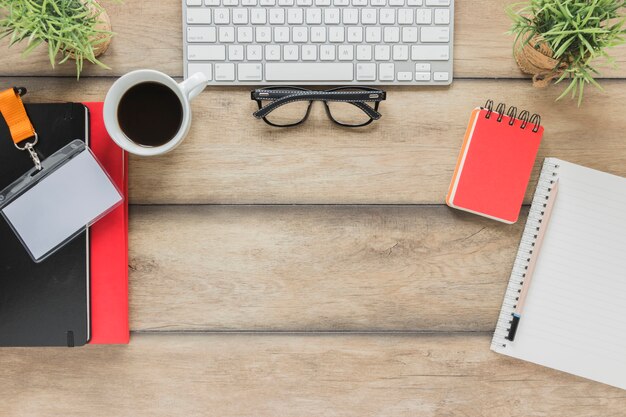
(194, 85)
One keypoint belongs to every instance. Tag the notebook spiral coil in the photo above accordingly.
(513, 115)
(518, 275)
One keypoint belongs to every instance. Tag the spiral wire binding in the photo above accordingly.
(546, 181)
(524, 115)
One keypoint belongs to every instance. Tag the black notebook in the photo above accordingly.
(47, 303)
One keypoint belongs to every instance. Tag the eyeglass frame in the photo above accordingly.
(281, 95)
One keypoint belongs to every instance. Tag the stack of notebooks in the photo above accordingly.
(79, 294)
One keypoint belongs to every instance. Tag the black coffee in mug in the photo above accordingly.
(150, 114)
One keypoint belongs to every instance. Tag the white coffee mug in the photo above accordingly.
(185, 91)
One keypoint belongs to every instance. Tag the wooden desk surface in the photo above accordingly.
(315, 271)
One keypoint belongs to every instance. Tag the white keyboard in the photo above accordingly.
(373, 42)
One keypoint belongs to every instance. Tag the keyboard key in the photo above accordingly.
(281, 34)
(400, 52)
(441, 76)
(422, 76)
(368, 16)
(331, 16)
(201, 34)
(244, 35)
(322, 2)
(227, 34)
(435, 34)
(346, 52)
(285, 2)
(327, 52)
(405, 76)
(350, 16)
(405, 16)
(304, 2)
(437, 2)
(318, 34)
(277, 16)
(366, 72)
(430, 53)
(222, 16)
(442, 16)
(263, 34)
(314, 16)
(300, 34)
(272, 52)
(295, 16)
(309, 52)
(194, 2)
(386, 72)
(206, 52)
(414, 2)
(422, 67)
(355, 34)
(204, 68)
(391, 34)
(409, 34)
(336, 34)
(266, 2)
(254, 52)
(373, 34)
(396, 2)
(363, 53)
(230, 2)
(359, 2)
(309, 71)
(235, 52)
(224, 72)
(341, 2)
(258, 16)
(290, 53)
(249, 72)
(423, 16)
(378, 3)
(199, 16)
(382, 52)
(248, 2)
(387, 16)
(240, 16)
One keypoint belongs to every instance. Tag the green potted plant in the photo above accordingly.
(77, 29)
(558, 40)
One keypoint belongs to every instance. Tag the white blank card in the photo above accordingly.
(61, 205)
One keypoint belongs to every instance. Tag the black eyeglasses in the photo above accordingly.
(286, 106)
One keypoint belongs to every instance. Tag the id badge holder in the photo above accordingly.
(58, 198)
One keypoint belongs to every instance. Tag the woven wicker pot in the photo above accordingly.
(535, 58)
(103, 24)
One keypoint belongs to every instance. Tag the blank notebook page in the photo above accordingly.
(574, 318)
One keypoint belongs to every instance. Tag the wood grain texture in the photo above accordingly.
(317, 268)
(294, 375)
(149, 35)
(405, 158)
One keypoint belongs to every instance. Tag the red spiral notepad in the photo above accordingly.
(495, 162)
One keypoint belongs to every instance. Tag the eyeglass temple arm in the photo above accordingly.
(320, 96)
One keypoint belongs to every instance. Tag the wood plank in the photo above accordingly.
(292, 375)
(317, 268)
(151, 37)
(406, 157)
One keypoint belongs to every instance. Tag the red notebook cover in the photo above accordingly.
(109, 244)
(495, 164)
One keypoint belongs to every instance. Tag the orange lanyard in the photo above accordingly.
(20, 126)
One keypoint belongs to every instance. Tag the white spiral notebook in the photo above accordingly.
(574, 313)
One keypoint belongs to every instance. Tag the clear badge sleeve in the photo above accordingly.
(47, 208)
